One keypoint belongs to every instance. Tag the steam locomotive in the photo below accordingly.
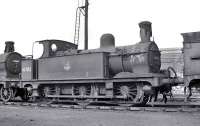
(126, 74)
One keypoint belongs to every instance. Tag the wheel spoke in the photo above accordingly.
(132, 93)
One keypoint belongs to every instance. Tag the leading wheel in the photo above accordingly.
(6, 94)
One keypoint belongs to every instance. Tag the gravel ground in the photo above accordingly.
(20, 116)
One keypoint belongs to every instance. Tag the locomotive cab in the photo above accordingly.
(51, 48)
(54, 48)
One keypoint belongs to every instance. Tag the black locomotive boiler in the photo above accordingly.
(114, 74)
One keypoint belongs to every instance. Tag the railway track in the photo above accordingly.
(180, 107)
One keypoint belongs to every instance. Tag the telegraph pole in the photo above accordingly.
(86, 24)
(82, 10)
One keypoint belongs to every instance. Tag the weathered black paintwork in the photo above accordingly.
(66, 72)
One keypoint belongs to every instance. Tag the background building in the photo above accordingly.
(173, 57)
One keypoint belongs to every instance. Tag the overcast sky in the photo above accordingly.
(26, 21)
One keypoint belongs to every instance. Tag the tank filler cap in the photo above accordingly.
(107, 40)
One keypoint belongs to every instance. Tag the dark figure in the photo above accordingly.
(185, 92)
(155, 91)
(165, 90)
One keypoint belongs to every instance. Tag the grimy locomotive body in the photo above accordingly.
(125, 74)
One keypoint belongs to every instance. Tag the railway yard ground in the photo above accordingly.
(38, 116)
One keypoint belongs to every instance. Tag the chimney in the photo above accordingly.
(145, 31)
(9, 47)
